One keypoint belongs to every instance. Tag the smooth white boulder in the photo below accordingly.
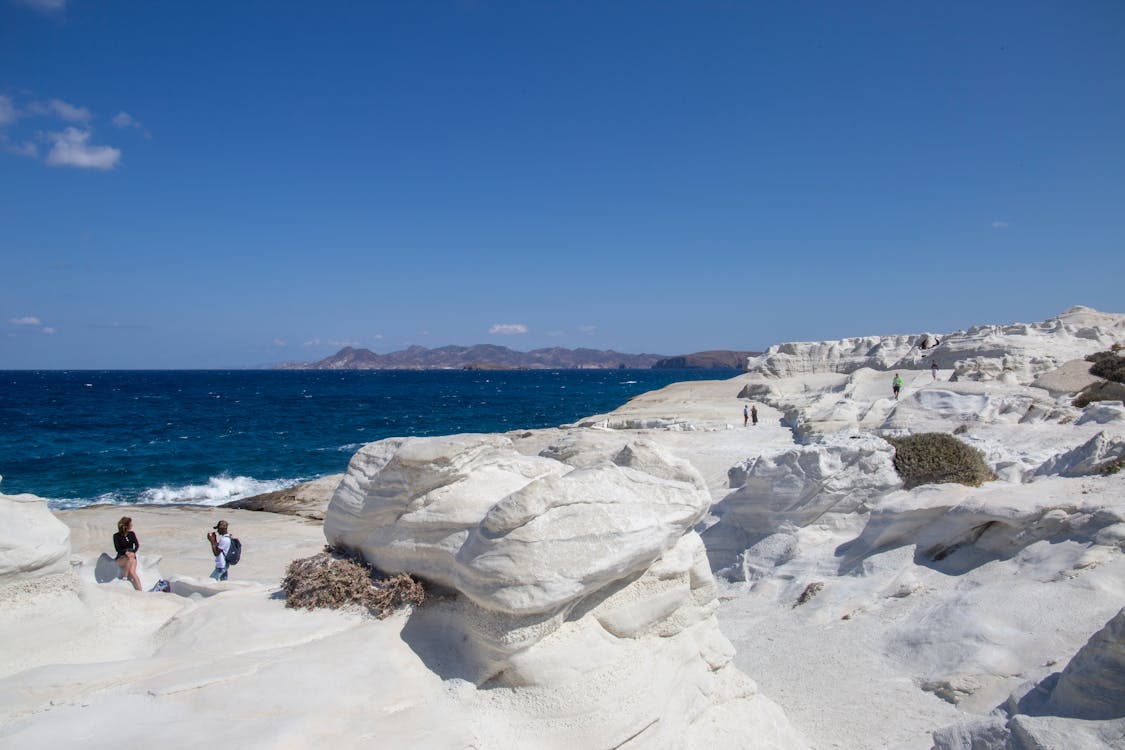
(33, 542)
(514, 533)
(570, 589)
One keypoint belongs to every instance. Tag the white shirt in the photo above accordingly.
(223, 543)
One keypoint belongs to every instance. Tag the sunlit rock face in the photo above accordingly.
(33, 542)
(1081, 707)
(579, 581)
(1017, 353)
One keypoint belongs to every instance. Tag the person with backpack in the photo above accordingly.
(226, 550)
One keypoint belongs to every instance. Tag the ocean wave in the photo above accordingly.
(218, 490)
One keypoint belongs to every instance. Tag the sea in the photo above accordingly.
(211, 436)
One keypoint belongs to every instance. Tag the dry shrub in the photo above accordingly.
(1111, 467)
(935, 458)
(335, 579)
(1109, 365)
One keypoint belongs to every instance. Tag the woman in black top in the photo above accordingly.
(126, 544)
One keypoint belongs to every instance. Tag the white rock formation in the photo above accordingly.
(1020, 351)
(1088, 458)
(843, 356)
(574, 588)
(838, 475)
(33, 542)
(1083, 707)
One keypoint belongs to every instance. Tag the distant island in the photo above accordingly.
(493, 357)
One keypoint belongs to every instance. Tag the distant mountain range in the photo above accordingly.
(492, 357)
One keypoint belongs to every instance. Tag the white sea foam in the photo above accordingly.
(218, 490)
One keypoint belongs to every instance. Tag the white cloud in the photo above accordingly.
(999, 225)
(27, 320)
(71, 149)
(508, 329)
(8, 111)
(378, 337)
(588, 330)
(69, 112)
(342, 344)
(279, 342)
(125, 120)
(44, 6)
(312, 342)
(48, 330)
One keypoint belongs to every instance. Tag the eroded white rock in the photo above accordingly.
(33, 542)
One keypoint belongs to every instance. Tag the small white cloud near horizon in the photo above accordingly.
(342, 344)
(378, 337)
(508, 329)
(71, 149)
(588, 330)
(999, 225)
(28, 321)
(279, 342)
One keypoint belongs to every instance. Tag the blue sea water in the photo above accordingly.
(208, 437)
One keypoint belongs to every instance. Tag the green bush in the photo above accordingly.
(335, 579)
(935, 458)
(1108, 365)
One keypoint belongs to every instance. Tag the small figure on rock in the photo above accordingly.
(126, 544)
(896, 385)
(745, 415)
(754, 414)
(933, 368)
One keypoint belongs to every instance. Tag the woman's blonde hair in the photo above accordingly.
(124, 524)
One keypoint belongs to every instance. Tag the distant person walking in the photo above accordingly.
(220, 546)
(933, 368)
(745, 415)
(896, 385)
(754, 414)
(126, 544)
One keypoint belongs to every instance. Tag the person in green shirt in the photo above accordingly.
(896, 384)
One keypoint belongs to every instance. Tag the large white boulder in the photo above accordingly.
(33, 542)
(572, 586)
(514, 533)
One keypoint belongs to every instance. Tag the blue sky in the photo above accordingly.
(224, 184)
